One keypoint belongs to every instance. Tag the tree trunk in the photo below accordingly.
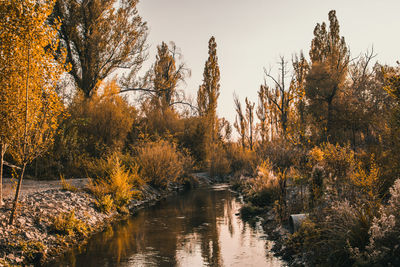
(3, 151)
(329, 121)
(17, 191)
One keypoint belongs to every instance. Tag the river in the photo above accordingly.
(195, 228)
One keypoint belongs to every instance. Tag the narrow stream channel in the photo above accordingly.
(195, 228)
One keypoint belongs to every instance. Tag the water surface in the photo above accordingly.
(196, 228)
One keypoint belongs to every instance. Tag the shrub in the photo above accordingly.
(34, 251)
(263, 190)
(120, 184)
(95, 127)
(67, 224)
(242, 161)
(218, 163)
(384, 247)
(336, 160)
(338, 164)
(331, 236)
(160, 163)
(249, 211)
(105, 203)
(67, 186)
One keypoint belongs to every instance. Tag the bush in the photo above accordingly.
(67, 186)
(218, 163)
(384, 247)
(242, 161)
(95, 127)
(67, 224)
(336, 160)
(105, 203)
(249, 211)
(336, 163)
(331, 236)
(34, 251)
(119, 184)
(160, 163)
(263, 190)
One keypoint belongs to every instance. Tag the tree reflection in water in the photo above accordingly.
(196, 228)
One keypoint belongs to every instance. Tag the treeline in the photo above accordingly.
(327, 145)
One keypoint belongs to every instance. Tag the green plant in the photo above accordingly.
(66, 223)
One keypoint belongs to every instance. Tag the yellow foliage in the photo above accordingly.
(367, 180)
(337, 160)
(120, 184)
(28, 76)
(67, 224)
(160, 163)
(103, 120)
(67, 186)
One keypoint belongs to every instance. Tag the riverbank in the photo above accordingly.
(274, 229)
(36, 237)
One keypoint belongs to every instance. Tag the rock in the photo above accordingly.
(21, 221)
(29, 235)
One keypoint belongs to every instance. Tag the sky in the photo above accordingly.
(253, 34)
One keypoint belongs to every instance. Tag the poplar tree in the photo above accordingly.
(32, 75)
(240, 123)
(329, 62)
(166, 76)
(250, 121)
(100, 36)
(208, 93)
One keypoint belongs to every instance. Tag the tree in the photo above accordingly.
(301, 68)
(244, 122)
(167, 76)
(279, 97)
(100, 36)
(208, 92)
(8, 96)
(240, 121)
(329, 61)
(33, 77)
(250, 121)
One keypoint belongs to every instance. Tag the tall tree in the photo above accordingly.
(33, 79)
(262, 115)
(329, 61)
(100, 36)
(208, 93)
(8, 96)
(166, 76)
(280, 96)
(244, 122)
(300, 68)
(250, 121)
(240, 123)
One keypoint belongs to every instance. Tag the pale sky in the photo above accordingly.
(252, 34)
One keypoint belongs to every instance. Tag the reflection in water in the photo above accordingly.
(197, 228)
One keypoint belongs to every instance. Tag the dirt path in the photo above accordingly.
(32, 186)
